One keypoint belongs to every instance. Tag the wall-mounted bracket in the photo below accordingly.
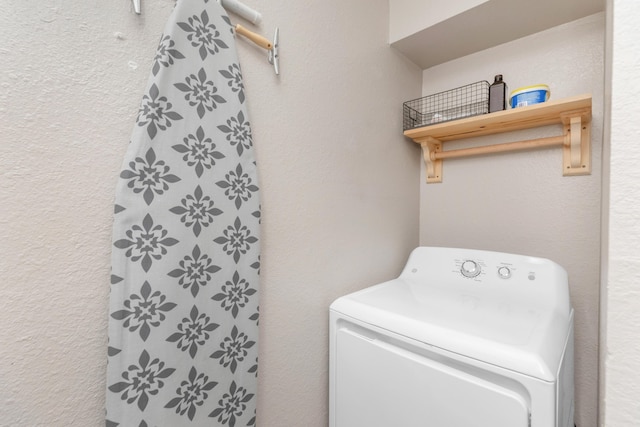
(573, 113)
(431, 146)
(576, 150)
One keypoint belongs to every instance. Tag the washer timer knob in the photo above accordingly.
(470, 268)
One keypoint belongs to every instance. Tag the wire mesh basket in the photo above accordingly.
(465, 101)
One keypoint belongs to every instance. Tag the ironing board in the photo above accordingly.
(183, 317)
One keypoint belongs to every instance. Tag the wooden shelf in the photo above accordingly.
(573, 113)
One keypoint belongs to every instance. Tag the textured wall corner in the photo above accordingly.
(621, 384)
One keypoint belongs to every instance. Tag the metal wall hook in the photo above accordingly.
(136, 7)
(273, 56)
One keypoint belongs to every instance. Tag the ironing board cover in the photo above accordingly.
(183, 317)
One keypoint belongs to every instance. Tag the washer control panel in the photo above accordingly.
(478, 269)
(486, 277)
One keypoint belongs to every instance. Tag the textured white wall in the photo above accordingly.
(520, 202)
(621, 357)
(339, 189)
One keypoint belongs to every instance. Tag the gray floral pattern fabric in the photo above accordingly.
(183, 314)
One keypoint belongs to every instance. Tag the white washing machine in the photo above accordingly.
(463, 338)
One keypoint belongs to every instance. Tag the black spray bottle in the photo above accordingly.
(498, 95)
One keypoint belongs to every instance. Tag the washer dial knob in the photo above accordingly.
(470, 268)
(504, 272)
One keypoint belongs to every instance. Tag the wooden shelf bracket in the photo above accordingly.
(576, 150)
(573, 113)
(431, 146)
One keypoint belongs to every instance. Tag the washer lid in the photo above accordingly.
(516, 324)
